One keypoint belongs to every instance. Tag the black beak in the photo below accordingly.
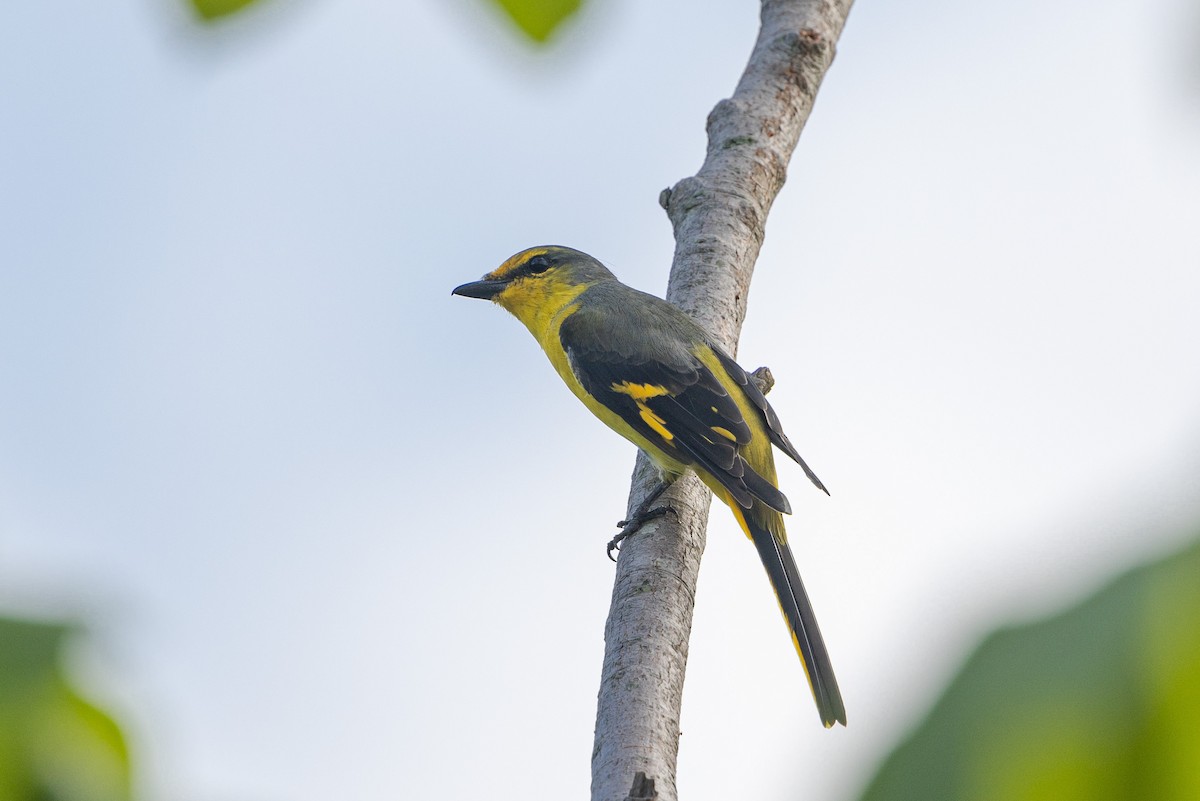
(480, 289)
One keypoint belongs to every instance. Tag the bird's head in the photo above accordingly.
(537, 283)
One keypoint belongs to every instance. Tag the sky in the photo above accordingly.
(333, 533)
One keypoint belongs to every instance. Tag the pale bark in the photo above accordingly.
(719, 217)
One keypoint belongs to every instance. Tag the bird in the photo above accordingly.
(653, 375)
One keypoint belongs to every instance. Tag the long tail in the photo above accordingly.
(764, 526)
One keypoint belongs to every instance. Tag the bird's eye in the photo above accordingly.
(538, 264)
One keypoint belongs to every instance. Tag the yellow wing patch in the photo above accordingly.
(640, 392)
(655, 422)
(724, 432)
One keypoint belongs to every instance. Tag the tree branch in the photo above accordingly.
(718, 216)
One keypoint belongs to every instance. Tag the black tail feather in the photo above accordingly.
(797, 609)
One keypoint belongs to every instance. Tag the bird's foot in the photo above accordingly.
(642, 514)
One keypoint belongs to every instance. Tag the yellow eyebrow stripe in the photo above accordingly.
(515, 262)
(640, 392)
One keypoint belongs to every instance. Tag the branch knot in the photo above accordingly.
(724, 110)
(642, 789)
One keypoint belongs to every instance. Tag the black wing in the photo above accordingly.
(774, 429)
(637, 361)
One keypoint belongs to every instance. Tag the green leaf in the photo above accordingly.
(212, 9)
(1098, 703)
(538, 19)
(53, 743)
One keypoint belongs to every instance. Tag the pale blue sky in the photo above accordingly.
(339, 535)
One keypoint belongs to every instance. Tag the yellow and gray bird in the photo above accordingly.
(656, 378)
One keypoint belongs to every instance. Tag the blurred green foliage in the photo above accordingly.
(212, 9)
(537, 19)
(53, 744)
(1098, 703)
